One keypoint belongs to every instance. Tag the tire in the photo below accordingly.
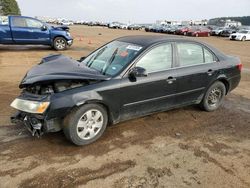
(243, 39)
(82, 126)
(60, 43)
(196, 35)
(213, 97)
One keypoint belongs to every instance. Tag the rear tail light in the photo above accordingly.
(239, 66)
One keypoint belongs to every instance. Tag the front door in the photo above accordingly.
(151, 93)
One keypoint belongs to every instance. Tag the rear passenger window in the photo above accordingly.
(157, 59)
(209, 58)
(19, 22)
(190, 54)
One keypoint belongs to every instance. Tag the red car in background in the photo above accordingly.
(199, 32)
(182, 31)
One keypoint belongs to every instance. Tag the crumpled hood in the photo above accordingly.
(60, 67)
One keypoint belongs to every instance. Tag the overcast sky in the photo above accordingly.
(138, 11)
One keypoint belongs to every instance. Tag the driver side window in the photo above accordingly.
(33, 23)
(157, 59)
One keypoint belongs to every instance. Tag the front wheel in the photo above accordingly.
(60, 43)
(86, 124)
(213, 97)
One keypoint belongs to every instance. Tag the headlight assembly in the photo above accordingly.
(30, 106)
(68, 34)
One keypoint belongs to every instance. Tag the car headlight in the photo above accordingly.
(30, 106)
(68, 34)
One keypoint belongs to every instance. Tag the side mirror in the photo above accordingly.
(44, 28)
(138, 72)
(81, 59)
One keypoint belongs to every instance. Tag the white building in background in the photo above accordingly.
(167, 22)
(230, 23)
(190, 22)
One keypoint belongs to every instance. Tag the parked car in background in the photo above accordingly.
(227, 32)
(199, 32)
(26, 30)
(114, 25)
(217, 31)
(182, 30)
(134, 27)
(242, 35)
(148, 28)
(66, 23)
(127, 78)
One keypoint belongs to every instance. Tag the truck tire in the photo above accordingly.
(85, 124)
(60, 43)
(213, 97)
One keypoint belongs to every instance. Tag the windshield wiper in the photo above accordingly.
(95, 57)
(103, 71)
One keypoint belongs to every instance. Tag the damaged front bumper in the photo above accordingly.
(36, 124)
(33, 114)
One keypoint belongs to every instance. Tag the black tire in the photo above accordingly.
(207, 103)
(60, 43)
(71, 129)
(243, 39)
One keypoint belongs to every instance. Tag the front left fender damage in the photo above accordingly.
(62, 95)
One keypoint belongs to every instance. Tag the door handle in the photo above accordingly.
(170, 80)
(210, 72)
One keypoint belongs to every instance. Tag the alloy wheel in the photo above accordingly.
(60, 44)
(90, 124)
(214, 97)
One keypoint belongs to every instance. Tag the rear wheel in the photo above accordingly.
(213, 97)
(60, 43)
(86, 124)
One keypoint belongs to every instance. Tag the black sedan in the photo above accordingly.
(129, 77)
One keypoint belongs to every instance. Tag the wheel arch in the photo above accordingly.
(56, 36)
(103, 104)
(225, 82)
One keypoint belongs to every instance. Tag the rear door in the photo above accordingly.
(29, 31)
(196, 69)
(154, 92)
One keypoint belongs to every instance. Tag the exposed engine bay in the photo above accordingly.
(55, 87)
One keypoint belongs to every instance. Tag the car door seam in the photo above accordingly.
(163, 97)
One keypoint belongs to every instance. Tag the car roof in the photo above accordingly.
(149, 40)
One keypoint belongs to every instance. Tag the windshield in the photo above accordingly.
(243, 31)
(112, 58)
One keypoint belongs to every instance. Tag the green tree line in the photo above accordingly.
(9, 7)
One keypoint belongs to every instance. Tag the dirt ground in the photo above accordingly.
(185, 147)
